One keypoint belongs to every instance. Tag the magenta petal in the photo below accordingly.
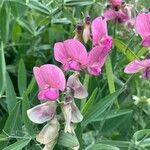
(115, 3)
(99, 29)
(97, 56)
(136, 66)
(74, 66)
(53, 76)
(110, 14)
(42, 113)
(142, 24)
(94, 70)
(76, 51)
(39, 78)
(146, 42)
(48, 94)
(52, 94)
(60, 52)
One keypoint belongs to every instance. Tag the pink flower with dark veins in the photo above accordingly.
(50, 80)
(71, 53)
(137, 66)
(100, 34)
(96, 59)
(142, 26)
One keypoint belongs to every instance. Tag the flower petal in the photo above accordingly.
(76, 115)
(49, 133)
(53, 76)
(146, 42)
(79, 90)
(42, 113)
(97, 55)
(142, 24)
(66, 109)
(76, 50)
(60, 52)
(39, 78)
(49, 94)
(99, 29)
(115, 3)
(136, 66)
(110, 14)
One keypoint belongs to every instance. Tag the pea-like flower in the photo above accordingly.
(96, 59)
(71, 53)
(100, 34)
(71, 112)
(137, 66)
(50, 80)
(142, 26)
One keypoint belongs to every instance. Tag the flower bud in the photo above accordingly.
(78, 32)
(87, 29)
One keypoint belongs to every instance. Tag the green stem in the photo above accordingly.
(110, 78)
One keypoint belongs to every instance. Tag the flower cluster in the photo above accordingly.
(56, 89)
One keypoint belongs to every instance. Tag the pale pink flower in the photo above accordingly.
(142, 26)
(71, 53)
(42, 112)
(75, 89)
(96, 60)
(137, 66)
(100, 34)
(115, 3)
(50, 80)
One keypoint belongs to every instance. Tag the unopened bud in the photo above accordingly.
(78, 32)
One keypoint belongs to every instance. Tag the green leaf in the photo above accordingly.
(4, 23)
(89, 102)
(102, 147)
(120, 144)
(30, 86)
(100, 107)
(24, 24)
(16, 32)
(10, 94)
(68, 140)
(18, 145)
(12, 120)
(125, 50)
(25, 106)
(39, 7)
(17, 9)
(22, 78)
(73, 3)
(142, 52)
(113, 114)
(2, 70)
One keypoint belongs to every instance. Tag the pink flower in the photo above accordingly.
(137, 66)
(115, 3)
(116, 16)
(142, 26)
(100, 33)
(50, 80)
(96, 60)
(71, 53)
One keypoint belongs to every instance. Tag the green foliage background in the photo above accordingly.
(28, 31)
